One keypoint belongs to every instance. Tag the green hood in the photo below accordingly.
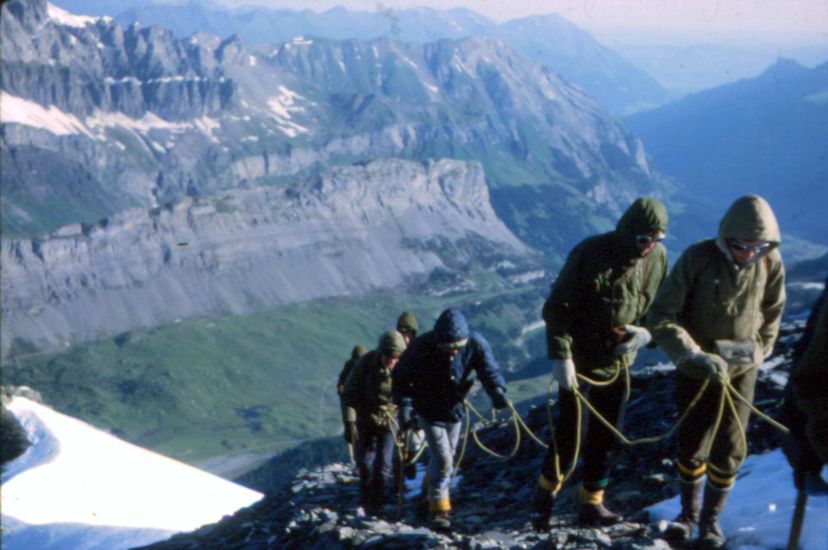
(358, 351)
(407, 321)
(645, 215)
(750, 218)
(391, 341)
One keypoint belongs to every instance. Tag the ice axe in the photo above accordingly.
(798, 519)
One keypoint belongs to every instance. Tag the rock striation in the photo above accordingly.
(351, 230)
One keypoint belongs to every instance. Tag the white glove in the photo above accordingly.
(711, 364)
(639, 337)
(563, 371)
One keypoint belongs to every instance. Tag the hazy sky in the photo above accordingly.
(796, 16)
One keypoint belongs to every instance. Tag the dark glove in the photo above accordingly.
(815, 485)
(351, 433)
(408, 421)
(499, 400)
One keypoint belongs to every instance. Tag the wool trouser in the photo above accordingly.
(698, 447)
(374, 456)
(442, 441)
(598, 444)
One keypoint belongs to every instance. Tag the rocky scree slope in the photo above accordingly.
(491, 501)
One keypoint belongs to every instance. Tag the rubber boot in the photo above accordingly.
(421, 508)
(542, 501)
(440, 521)
(711, 536)
(593, 513)
(680, 530)
(440, 514)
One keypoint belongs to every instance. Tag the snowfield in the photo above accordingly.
(78, 487)
(759, 510)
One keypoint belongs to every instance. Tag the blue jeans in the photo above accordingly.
(442, 445)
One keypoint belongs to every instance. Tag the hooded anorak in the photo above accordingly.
(708, 303)
(604, 285)
(709, 297)
(435, 383)
(367, 395)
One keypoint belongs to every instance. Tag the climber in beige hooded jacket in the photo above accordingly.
(717, 316)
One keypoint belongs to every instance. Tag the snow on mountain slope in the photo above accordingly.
(758, 513)
(80, 488)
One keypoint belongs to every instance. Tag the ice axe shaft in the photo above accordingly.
(798, 520)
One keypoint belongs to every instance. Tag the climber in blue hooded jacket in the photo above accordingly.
(432, 379)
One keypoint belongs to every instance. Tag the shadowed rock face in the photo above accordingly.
(351, 230)
(13, 440)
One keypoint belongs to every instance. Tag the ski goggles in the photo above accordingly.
(644, 240)
(452, 346)
(757, 248)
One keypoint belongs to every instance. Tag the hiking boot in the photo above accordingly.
(542, 501)
(421, 509)
(597, 515)
(711, 536)
(680, 530)
(440, 521)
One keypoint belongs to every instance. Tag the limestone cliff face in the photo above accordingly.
(351, 230)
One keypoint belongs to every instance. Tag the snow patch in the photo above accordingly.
(760, 507)
(66, 19)
(460, 66)
(150, 121)
(207, 126)
(16, 110)
(410, 62)
(79, 487)
(299, 41)
(283, 106)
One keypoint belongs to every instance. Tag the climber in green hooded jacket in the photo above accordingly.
(717, 317)
(371, 419)
(602, 292)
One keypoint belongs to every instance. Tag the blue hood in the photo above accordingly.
(451, 326)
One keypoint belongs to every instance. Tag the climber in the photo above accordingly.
(432, 379)
(371, 419)
(603, 290)
(407, 326)
(717, 317)
(805, 409)
(358, 351)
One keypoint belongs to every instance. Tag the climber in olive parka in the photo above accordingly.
(717, 316)
(371, 419)
(358, 351)
(603, 290)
